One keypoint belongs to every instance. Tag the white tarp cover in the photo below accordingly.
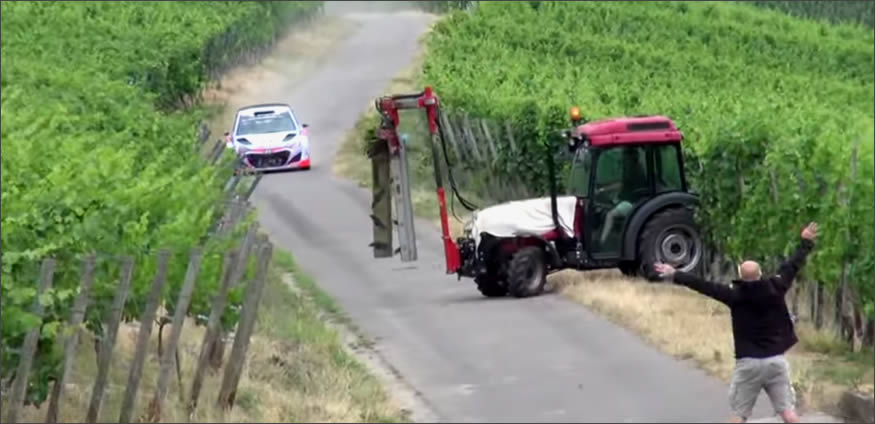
(524, 217)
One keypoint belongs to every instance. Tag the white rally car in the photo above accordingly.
(268, 137)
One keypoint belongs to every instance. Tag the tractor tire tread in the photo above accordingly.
(518, 285)
(489, 286)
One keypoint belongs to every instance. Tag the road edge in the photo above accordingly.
(411, 402)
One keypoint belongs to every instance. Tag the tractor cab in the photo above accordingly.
(619, 167)
(626, 205)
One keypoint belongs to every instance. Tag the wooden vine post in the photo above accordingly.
(147, 318)
(213, 327)
(72, 341)
(245, 327)
(28, 349)
(167, 357)
(106, 347)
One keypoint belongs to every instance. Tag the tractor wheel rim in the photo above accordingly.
(680, 247)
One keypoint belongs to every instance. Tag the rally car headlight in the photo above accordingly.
(242, 150)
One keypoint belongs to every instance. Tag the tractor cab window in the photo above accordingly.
(578, 181)
(620, 184)
(622, 173)
(668, 168)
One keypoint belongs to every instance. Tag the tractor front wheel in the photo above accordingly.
(490, 286)
(671, 237)
(527, 272)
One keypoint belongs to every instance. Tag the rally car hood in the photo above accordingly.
(269, 139)
(523, 217)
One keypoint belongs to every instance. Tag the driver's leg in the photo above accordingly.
(610, 217)
(621, 210)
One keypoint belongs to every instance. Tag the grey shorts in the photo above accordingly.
(751, 375)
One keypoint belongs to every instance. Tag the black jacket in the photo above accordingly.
(761, 325)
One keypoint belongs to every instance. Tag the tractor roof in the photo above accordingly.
(634, 130)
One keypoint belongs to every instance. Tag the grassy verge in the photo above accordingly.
(689, 326)
(297, 370)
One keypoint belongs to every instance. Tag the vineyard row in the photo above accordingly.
(772, 139)
(101, 154)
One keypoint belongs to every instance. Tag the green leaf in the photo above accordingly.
(29, 321)
(50, 330)
(46, 300)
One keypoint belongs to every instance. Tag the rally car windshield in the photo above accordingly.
(269, 123)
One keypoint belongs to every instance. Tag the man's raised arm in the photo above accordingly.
(719, 292)
(783, 280)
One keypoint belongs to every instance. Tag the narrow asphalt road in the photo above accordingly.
(534, 360)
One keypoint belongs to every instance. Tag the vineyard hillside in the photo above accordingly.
(100, 152)
(777, 110)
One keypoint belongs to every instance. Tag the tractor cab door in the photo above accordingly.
(578, 186)
(620, 182)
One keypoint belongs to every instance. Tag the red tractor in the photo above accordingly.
(627, 205)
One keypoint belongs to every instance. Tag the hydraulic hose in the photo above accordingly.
(452, 180)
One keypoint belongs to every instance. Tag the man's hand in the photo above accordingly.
(664, 270)
(783, 280)
(810, 232)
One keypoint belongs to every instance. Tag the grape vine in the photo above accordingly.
(777, 110)
(97, 156)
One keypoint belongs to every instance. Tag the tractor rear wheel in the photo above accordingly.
(671, 237)
(527, 272)
(490, 286)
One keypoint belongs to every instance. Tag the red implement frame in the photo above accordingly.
(388, 107)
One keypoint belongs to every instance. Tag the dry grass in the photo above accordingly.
(351, 161)
(297, 370)
(661, 314)
(687, 325)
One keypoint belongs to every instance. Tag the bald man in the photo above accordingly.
(761, 328)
